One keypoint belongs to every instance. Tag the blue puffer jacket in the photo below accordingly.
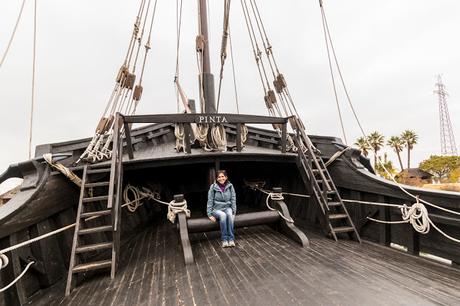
(218, 200)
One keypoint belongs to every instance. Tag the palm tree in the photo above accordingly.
(385, 168)
(363, 145)
(397, 144)
(410, 139)
(376, 141)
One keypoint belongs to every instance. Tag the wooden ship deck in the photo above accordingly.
(264, 269)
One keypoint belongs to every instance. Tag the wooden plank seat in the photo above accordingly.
(270, 217)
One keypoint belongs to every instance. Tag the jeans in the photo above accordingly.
(225, 218)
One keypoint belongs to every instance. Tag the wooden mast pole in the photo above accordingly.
(207, 77)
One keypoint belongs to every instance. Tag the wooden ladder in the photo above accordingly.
(318, 179)
(97, 191)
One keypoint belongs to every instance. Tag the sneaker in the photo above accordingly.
(231, 243)
(225, 244)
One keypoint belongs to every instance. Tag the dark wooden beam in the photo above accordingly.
(385, 229)
(129, 143)
(239, 142)
(283, 138)
(187, 131)
(204, 118)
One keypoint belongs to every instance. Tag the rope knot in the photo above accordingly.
(176, 207)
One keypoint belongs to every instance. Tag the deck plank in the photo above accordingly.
(265, 268)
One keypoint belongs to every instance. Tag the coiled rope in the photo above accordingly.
(173, 207)
(219, 137)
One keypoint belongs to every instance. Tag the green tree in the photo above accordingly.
(454, 176)
(388, 166)
(376, 141)
(410, 139)
(363, 145)
(441, 166)
(397, 144)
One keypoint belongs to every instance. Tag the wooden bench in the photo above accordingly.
(270, 217)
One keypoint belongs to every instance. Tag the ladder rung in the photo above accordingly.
(338, 216)
(92, 266)
(95, 213)
(91, 230)
(97, 184)
(330, 204)
(321, 181)
(343, 229)
(94, 247)
(94, 199)
(330, 192)
(94, 171)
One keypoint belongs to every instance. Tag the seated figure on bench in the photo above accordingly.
(222, 206)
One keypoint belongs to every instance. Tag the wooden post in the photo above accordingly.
(239, 143)
(187, 130)
(178, 197)
(385, 229)
(129, 143)
(283, 138)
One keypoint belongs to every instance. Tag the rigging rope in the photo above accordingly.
(126, 94)
(333, 80)
(13, 34)
(233, 72)
(33, 80)
(336, 155)
(19, 276)
(63, 169)
(401, 187)
(223, 48)
(178, 32)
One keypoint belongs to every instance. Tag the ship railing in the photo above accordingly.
(202, 118)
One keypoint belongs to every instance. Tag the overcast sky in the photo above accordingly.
(390, 53)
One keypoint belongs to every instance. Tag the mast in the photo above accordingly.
(207, 79)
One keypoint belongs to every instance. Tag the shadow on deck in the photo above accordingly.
(265, 268)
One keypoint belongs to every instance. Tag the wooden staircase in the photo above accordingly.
(317, 179)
